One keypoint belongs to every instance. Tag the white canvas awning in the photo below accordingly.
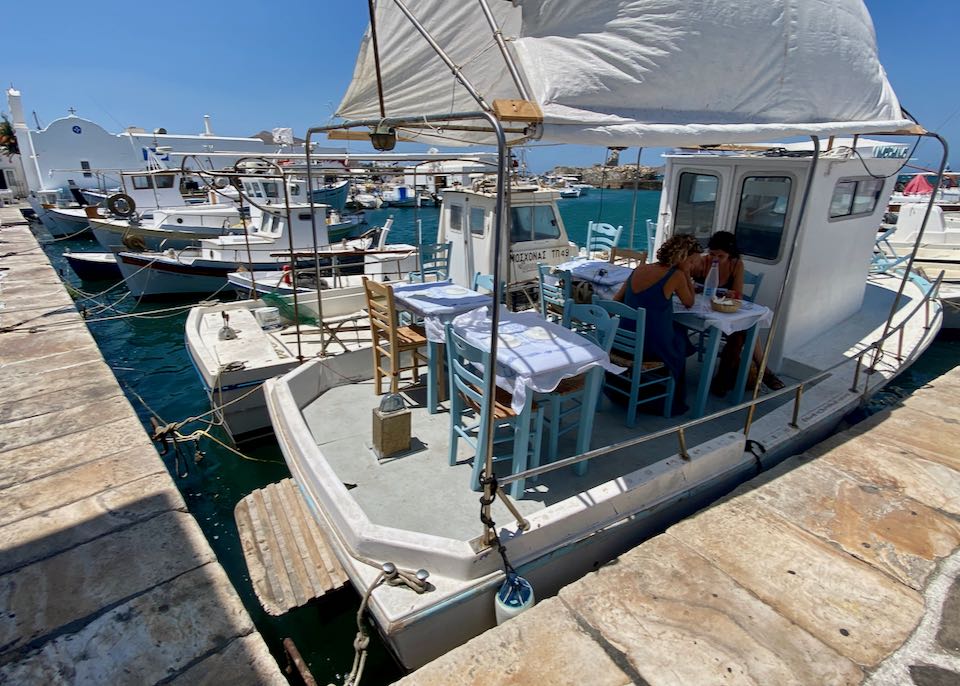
(640, 72)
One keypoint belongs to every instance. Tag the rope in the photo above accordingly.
(392, 576)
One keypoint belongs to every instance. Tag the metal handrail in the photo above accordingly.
(679, 429)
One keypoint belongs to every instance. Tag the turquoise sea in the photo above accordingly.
(148, 357)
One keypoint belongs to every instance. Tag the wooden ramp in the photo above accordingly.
(287, 554)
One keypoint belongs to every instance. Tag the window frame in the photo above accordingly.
(788, 211)
(850, 214)
(717, 202)
(534, 209)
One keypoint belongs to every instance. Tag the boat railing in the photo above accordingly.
(796, 389)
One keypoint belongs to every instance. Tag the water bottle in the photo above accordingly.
(713, 280)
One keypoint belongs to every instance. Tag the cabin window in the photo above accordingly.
(85, 166)
(164, 181)
(533, 223)
(762, 217)
(295, 190)
(696, 204)
(456, 218)
(271, 189)
(477, 216)
(142, 183)
(855, 197)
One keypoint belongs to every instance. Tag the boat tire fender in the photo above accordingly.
(121, 205)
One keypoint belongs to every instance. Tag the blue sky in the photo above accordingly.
(266, 64)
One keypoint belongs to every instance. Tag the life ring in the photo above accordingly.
(121, 205)
(286, 277)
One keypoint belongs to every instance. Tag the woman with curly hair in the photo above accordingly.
(652, 286)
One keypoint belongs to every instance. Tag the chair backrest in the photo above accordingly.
(555, 291)
(464, 359)
(382, 311)
(485, 282)
(751, 279)
(602, 237)
(628, 257)
(625, 341)
(651, 235)
(434, 261)
(592, 322)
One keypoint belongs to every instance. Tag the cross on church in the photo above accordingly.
(71, 111)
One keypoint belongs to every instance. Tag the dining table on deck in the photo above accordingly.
(605, 277)
(437, 302)
(534, 355)
(703, 318)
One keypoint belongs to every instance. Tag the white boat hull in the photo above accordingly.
(62, 223)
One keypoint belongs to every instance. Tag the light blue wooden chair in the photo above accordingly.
(751, 279)
(651, 236)
(602, 237)
(520, 432)
(628, 352)
(572, 394)
(556, 287)
(485, 282)
(434, 263)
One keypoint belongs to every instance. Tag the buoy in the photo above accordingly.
(514, 596)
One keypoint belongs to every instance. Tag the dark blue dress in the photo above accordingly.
(662, 339)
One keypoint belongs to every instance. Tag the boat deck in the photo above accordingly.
(341, 423)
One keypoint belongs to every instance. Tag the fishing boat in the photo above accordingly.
(274, 232)
(676, 74)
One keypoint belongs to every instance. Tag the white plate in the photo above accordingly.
(454, 290)
(538, 333)
(510, 340)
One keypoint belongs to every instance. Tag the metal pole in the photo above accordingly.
(796, 407)
(293, 261)
(489, 376)
(783, 285)
(376, 56)
(636, 192)
(507, 57)
(916, 246)
(313, 228)
(856, 373)
(683, 444)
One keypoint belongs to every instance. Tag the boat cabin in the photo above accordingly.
(537, 234)
(153, 188)
(758, 196)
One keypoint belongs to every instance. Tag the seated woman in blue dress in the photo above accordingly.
(652, 287)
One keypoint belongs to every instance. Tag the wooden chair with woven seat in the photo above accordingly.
(627, 257)
(389, 340)
(568, 398)
(628, 352)
(521, 432)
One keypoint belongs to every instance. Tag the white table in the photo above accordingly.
(605, 277)
(702, 317)
(535, 355)
(437, 302)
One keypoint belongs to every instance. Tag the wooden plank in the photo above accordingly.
(288, 556)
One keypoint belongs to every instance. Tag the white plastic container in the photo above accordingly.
(268, 318)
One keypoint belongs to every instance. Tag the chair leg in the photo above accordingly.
(521, 447)
(587, 412)
(633, 401)
(553, 439)
(668, 401)
(377, 374)
(537, 440)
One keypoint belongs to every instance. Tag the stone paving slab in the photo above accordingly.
(76, 483)
(895, 534)
(842, 565)
(33, 383)
(104, 575)
(855, 609)
(36, 460)
(663, 600)
(24, 432)
(44, 534)
(550, 646)
(181, 621)
(43, 597)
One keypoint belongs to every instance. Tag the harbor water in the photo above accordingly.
(147, 354)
